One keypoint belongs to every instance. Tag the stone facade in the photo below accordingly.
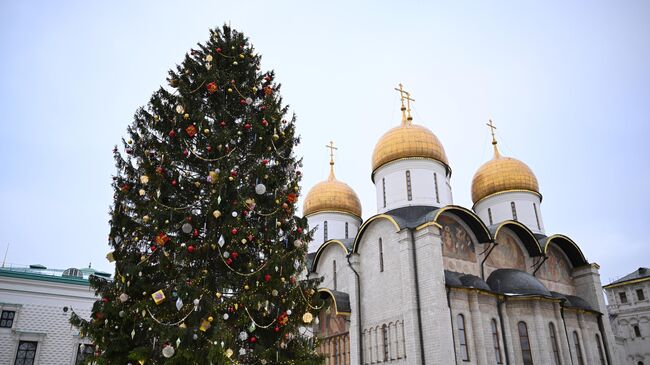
(629, 309)
(41, 302)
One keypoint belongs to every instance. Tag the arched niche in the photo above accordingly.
(459, 245)
(556, 271)
(508, 253)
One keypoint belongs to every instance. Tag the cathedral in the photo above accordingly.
(424, 281)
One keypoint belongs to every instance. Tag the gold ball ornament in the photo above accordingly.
(144, 179)
(307, 317)
(186, 116)
(229, 90)
(216, 214)
(146, 219)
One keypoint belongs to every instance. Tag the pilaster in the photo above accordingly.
(410, 309)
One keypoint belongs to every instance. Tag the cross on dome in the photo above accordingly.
(494, 139)
(331, 147)
(405, 95)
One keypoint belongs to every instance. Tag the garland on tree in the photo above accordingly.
(209, 257)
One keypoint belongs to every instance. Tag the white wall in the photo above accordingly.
(423, 191)
(335, 227)
(501, 209)
(40, 317)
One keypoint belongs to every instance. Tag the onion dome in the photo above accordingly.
(502, 174)
(332, 195)
(407, 141)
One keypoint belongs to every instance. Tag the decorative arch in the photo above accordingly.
(525, 235)
(322, 248)
(341, 301)
(568, 246)
(364, 226)
(468, 217)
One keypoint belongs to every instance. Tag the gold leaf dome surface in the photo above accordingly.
(502, 174)
(407, 141)
(332, 195)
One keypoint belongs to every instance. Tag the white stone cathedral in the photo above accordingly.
(425, 281)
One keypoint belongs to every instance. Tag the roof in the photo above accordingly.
(341, 300)
(463, 280)
(642, 273)
(513, 281)
(41, 273)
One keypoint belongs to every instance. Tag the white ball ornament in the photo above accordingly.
(249, 101)
(168, 351)
(187, 228)
(260, 189)
(234, 214)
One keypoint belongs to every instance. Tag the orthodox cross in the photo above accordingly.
(331, 148)
(492, 128)
(405, 95)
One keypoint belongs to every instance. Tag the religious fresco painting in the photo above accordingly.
(330, 323)
(557, 267)
(456, 241)
(507, 254)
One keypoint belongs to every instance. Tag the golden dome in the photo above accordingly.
(332, 195)
(502, 174)
(407, 141)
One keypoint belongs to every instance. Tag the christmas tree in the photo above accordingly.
(208, 253)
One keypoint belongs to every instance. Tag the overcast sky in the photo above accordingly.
(566, 82)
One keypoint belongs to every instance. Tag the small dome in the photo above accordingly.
(407, 141)
(502, 174)
(332, 195)
(512, 281)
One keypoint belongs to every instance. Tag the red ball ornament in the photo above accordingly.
(253, 339)
(229, 261)
(233, 173)
(190, 249)
(299, 230)
(242, 102)
(218, 50)
(250, 237)
(222, 124)
(265, 162)
(153, 248)
(105, 300)
(267, 278)
(234, 255)
(234, 231)
(172, 133)
(277, 329)
(186, 152)
(174, 183)
(212, 87)
(195, 233)
(209, 148)
(264, 122)
(247, 126)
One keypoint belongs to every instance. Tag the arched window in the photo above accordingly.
(490, 215)
(325, 231)
(435, 183)
(514, 210)
(346, 229)
(576, 342)
(526, 353)
(409, 194)
(462, 338)
(600, 350)
(554, 345)
(384, 336)
(381, 256)
(383, 189)
(334, 273)
(495, 342)
(637, 330)
(539, 227)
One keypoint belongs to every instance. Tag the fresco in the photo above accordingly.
(331, 324)
(557, 267)
(507, 254)
(456, 241)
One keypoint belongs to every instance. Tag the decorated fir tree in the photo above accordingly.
(208, 253)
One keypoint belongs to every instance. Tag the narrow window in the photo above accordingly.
(435, 183)
(7, 319)
(384, 335)
(554, 346)
(409, 194)
(381, 256)
(346, 229)
(26, 352)
(383, 188)
(526, 354)
(576, 342)
(539, 227)
(324, 231)
(514, 210)
(640, 295)
(623, 297)
(83, 352)
(637, 331)
(601, 356)
(334, 273)
(462, 337)
(490, 215)
(495, 342)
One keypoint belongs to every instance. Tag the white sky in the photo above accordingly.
(567, 84)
